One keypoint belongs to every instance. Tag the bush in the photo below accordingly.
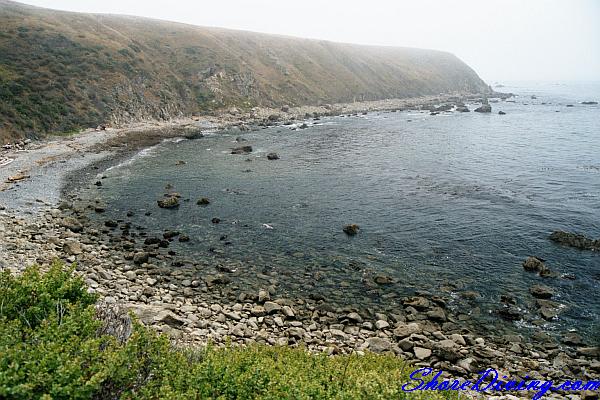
(50, 348)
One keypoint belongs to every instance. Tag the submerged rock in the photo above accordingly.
(203, 201)
(575, 240)
(242, 150)
(541, 291)
(462, 109)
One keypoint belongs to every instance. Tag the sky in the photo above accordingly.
(503, 40)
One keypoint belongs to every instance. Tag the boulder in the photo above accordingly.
(422, 353)
(72, 248)
(462, 109)
(203, 201)
(140, 257)
(379, 345)
(404, 330)
(501, 113)
(575, 240)
(72, 224)
(351, 229)
(541, 291)
(485, 108)
(271, 307)
(272, 156)
(534, 264)
(169, 202)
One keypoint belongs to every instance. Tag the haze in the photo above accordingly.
(502, 40)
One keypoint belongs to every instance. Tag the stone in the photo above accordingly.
(271, 307)
(72, 248)
(421, 353)
(288, 312)
(140, 257)
(169, 318)
(383, 280)
(203, 201)
(575, 240)
(437, 314)
(72, 224)
(354, 317)
(541, 291)
(351, 229)
(272, 156)
(169, 202)
(338, 334)
(448, 350)
(263, 296)
(170, 234)
(258, 311)
(379, 345)
(381, 324)
(485, 108)
(297, 333)
(501, 113)
(403, 330)
(534, 264)
(242, 150)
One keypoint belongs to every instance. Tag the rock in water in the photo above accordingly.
(501, 113)
(351, 229)
(203, 202)
(534, 264)
(272, 156)
(242, 150)
(485, 108)
(462, 109)
(541, 291)
(169, 202)
(575, 240)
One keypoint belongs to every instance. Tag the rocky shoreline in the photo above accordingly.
(193, 303)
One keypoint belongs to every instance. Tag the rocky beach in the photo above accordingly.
(197, 301)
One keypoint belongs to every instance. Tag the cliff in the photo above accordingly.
(61, 71)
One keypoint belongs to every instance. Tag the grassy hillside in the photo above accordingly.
(60, 71)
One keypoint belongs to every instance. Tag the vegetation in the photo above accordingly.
(61, 71)
(51, 348)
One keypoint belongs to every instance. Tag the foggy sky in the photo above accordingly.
(502, 40)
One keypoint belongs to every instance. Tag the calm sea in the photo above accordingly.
(446, 204)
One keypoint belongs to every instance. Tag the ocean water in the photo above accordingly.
(446, 204)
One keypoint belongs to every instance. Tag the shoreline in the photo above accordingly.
(197, 311)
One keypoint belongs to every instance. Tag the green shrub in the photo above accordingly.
(50, 349)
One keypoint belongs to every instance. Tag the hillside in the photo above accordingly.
(60, 71)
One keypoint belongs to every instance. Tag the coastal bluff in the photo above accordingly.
(63, 71)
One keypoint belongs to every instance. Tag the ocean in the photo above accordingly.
(448, 204)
